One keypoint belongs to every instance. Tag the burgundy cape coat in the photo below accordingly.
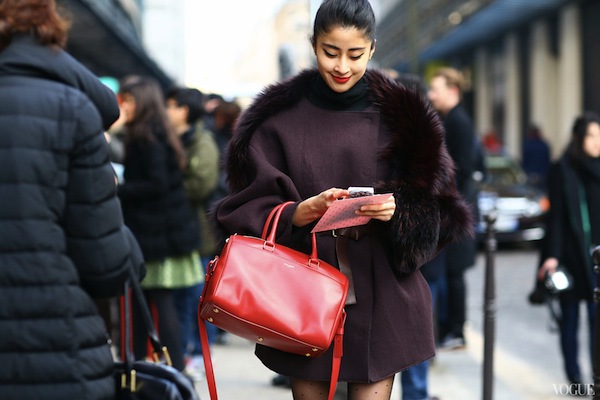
(285, 148)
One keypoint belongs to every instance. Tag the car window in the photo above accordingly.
(503, 171)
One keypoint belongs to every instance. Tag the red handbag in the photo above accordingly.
(276, 296)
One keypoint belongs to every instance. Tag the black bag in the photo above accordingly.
(144, 380)
(551, 286)
(539, 295)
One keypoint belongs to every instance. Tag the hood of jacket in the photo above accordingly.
(25, 56)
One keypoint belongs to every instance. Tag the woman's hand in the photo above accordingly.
(549, 266)
(314, 207)
(383, 212)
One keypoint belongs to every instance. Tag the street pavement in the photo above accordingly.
(526, 360)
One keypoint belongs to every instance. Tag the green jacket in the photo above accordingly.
(200, 180)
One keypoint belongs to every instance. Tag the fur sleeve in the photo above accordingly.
(430, 212)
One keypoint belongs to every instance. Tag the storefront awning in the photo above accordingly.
(492, 21)
(104, 40)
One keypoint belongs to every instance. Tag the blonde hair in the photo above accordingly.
(453, 77)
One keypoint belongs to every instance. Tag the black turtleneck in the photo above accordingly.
(354, 99)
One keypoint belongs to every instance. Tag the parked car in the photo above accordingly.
(520, 207)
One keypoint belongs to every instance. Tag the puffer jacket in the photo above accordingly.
(62, 238)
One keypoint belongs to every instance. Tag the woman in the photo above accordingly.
(156, 209)
(62, 239)
(573, 228)
(324, 130)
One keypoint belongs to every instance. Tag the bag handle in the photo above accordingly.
(269, 235)
(275, 209)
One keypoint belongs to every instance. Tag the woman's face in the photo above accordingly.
(591, 141)
(342, 57)
(128, 107)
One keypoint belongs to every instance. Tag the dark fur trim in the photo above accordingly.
(272, 100)
(422, 180)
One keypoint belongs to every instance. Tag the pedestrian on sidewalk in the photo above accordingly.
(62, 238)
(156, 209)
(536, 157)
(572, 231)
(445, 92)
(307, 139)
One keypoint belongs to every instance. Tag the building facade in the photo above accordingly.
(529, 62)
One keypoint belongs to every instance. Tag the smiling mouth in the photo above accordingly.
(340, 79)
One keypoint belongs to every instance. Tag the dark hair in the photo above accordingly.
(149, 113)
(534, 132)
(227, 113)
(39, 18)
(578, 133)
(193, 99)
(344, 14)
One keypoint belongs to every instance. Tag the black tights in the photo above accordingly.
(318, 390)
(168, 326)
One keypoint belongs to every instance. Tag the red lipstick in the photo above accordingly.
(340, 79)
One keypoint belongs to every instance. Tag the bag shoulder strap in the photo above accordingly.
(338, 352)
(159, 350)
(208, 367)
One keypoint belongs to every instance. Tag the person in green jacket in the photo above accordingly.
(185, 108)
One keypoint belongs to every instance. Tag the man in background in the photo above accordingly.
(445, 93)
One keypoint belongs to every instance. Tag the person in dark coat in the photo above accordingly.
(446, 87)
(157, 210)
(573, 229)
(536, 157)
(306, 140)
(62, 238)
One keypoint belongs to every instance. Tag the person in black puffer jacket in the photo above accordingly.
(62, 238)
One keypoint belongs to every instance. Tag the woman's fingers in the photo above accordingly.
(383, 212)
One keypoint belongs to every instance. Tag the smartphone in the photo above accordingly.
(360, 191)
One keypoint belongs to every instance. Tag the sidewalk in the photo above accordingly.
(241, 376)
(527, 361)
(454, 375)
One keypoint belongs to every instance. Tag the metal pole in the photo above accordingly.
(596, 338)
(489, 307)
(412, 33)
